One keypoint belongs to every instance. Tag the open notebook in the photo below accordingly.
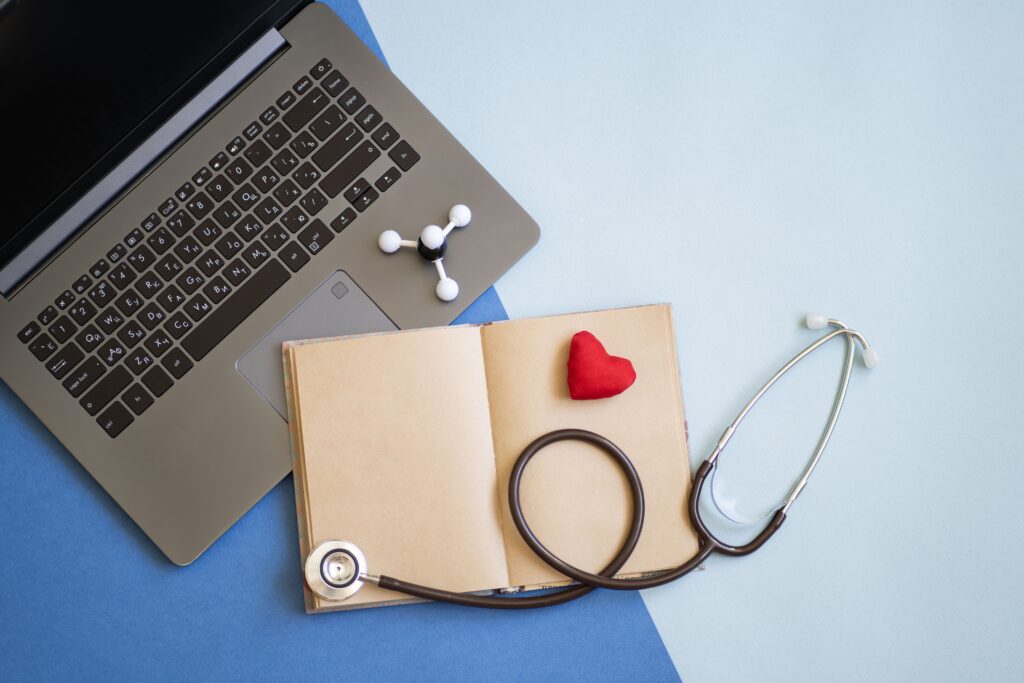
(403, 443)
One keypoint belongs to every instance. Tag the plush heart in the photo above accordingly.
(595, 374)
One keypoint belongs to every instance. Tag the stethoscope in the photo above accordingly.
(336, 570)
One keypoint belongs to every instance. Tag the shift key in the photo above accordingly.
(106, 390)
(349, 169)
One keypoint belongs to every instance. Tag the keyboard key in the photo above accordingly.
(168, 207)
(308, 107)
(235, 309)
(229, 245)
(219, 188)
(201, 176)
(350, 168)
(248, 228)
(99, 268)
(160, 241)
(151, 316)
(190, 281)
(62, 329)
(133, 238)
(150, 222)
(404, 155)
(185, 191)
(170, 298)
(149, 285)
(365, 199)
(110, 320)
(217, 162)
(285, 162)
(66, 298)
(117, 253)
(198, 307)
(138, 361)
(276, 135)
(236, 145)
(177, 364)
(180, 223)
(82, 311)
(178, 325)
(268, 116)
(129, 302)
(357, 188)
(238, 170)
(302, 86)
(303, 144)
(306, 175)
(328, 121)
(47, 315)
(102, 294)
(208, 232)
(168, 267)
(81, 285)
(287, 192)
(131, 334)
(122, 276)
(351, 100)
(335, 83)
(252, 130)
(43, 347)
(115, 420)
(337, 147)
(343, 220)
(275, 237)
(199, 206)
(84, 376)
(389, 178)
(294, 256)
(105, 390)
(236, 272)
(258, 153)
(210, 263)
(62, 363)
(265, 179)
(385, 136)
(255, 254)
(141, 259)
(294, 219)
(246, 197)
(137, 399)
(286, 100)
(89, 338)
(314, 201)
(227, 214)
(188, 249)
(112, 351)
(157, 381)
(28, 332)
(320, 69)
(368, 118)
(315, 237)
(158, 343)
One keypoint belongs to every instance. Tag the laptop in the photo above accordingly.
(189, 184)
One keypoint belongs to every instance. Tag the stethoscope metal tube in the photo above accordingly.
(334, 571)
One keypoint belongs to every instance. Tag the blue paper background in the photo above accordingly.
(85, 595)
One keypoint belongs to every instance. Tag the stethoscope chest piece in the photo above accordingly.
(334, 570)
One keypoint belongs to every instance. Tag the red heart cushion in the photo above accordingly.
(595, 374)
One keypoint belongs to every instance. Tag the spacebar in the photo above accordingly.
(235, 309)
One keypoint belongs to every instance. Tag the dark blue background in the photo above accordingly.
(85, 595)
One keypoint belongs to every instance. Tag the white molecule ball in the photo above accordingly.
(460, 215)
(432, 237)
(447, 289)
(389, 241)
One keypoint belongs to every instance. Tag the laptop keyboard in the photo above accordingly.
(230, 236)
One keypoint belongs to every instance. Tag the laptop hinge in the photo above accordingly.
(136, 163)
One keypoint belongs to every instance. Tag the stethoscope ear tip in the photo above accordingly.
(816, 321)
(870, 358)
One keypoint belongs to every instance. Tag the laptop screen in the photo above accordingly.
(83, 83)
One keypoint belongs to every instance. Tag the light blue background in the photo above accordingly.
(749, 162)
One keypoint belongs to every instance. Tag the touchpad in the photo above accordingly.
(337, 307)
